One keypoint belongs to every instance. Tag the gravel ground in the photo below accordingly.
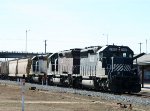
(70, 99)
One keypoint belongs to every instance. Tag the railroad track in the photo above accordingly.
(142, 94)
(136, 98)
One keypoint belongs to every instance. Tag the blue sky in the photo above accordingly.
(67, 24)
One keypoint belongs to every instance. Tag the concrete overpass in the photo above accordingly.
(6, 54)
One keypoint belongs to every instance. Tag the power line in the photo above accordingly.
(7, 39)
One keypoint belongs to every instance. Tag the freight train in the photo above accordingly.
(34, 69)
(107, 68)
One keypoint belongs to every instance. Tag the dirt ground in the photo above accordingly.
(35, 100)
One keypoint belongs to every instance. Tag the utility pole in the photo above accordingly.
(26, 39)
(146, 46)
(23, 90)
(45, 45)
(107, 37)
(140, 47)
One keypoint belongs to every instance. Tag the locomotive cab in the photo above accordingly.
(118, 64)
(38, 68)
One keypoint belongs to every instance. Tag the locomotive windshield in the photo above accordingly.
(115, 51)
(116, 58)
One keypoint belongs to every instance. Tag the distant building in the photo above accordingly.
(144, 68)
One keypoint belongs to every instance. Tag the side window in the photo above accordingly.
(100, 56)
(124, 55)
(130, 55)
(53, 67)
(37, 66)
(34, 65)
